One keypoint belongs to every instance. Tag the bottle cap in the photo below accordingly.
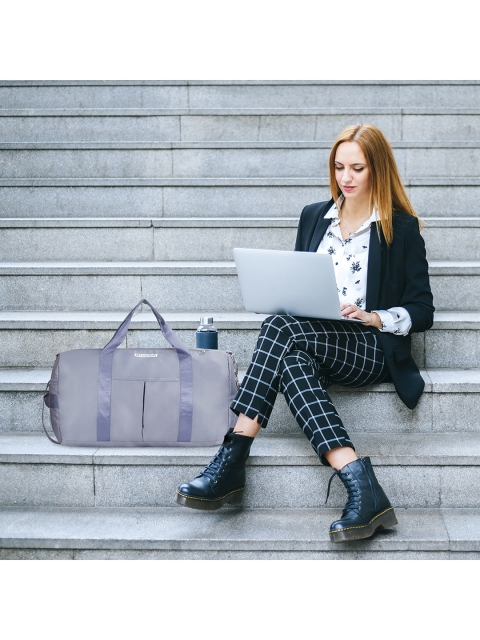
(206, 320)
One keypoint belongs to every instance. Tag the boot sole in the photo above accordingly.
(209, 504)
(383, 520)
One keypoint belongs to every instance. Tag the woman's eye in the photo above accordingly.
(358, 170)
(338, 168)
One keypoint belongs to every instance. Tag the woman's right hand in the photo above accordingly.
(368, 319)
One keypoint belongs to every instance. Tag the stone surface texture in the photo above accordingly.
(179, 533)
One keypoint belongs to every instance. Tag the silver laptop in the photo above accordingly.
(296, 283)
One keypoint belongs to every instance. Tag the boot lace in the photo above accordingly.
(214, 467)
(353, 491)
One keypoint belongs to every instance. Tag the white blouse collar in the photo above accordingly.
(333, 214)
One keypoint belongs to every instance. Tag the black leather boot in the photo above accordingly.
(222, 480)
(367, 508)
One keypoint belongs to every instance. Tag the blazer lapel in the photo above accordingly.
(320, 228)
(374, 269)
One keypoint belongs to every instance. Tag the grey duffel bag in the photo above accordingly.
(111, 397)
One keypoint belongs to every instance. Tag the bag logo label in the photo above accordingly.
(146, 355)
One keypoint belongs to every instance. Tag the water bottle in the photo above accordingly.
(206, 336)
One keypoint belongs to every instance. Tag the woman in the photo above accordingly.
(373, 235)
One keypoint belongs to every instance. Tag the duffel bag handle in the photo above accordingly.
(105, 370)
(171, 337)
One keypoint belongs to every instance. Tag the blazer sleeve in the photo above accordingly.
(417, 297)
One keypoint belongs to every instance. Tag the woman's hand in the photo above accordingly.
(368, 319)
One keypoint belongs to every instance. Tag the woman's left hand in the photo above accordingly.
(368, 319)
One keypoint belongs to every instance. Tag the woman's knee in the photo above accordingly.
(274, 321)
(278, 323)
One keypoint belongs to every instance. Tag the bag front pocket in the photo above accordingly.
(127, 411)
(161, 411)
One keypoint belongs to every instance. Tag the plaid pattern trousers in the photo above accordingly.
(302, 357)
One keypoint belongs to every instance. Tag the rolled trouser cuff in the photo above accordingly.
(262, 414)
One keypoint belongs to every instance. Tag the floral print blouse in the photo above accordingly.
(350, 263)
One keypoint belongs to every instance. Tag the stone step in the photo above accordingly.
(154, 160)
(234, 94)
(233, 534)
(416, 471)
(450, 402)
(33, 338)
(240, 534)
(210, 197)
(181, 286)
(142, 239)
(115, 125)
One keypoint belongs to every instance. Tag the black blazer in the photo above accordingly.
(397, 277)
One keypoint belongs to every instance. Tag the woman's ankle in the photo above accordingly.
(246, 426)
(339, 457)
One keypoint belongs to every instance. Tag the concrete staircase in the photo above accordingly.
(113, 191)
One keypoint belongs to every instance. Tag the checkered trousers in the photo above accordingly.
(302, 357)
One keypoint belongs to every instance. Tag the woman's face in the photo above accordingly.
(351, 171)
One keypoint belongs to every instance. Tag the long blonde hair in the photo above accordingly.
(386, 189)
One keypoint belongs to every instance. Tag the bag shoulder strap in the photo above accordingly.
(59, 441)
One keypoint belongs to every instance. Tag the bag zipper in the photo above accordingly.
(235, 368)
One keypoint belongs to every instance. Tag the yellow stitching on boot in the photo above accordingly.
(210, 499)
(362, 526)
